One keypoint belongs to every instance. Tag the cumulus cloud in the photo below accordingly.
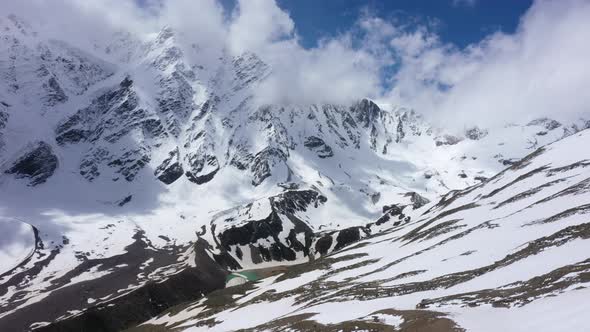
(79, 21)
(258, 23)
(540, 70)
(333, 72)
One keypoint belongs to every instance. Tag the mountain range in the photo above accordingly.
(139, 174)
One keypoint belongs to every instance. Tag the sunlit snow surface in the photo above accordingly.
(496, 256)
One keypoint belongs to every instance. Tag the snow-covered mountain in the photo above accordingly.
(510, 253)
(136, 174)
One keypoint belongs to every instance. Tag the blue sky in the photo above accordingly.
(459, 22)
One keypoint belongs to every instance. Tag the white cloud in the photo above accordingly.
(542, 69)
(257, 23)
(333, 72)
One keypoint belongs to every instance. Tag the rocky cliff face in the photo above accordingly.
(36, 164)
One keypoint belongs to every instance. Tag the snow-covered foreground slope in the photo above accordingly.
(511, 254)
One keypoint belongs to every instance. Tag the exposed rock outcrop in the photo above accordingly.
(36, 164)
(170, 169)
(318, 145)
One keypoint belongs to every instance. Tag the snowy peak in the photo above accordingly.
(249, 68)
(510, 247)
(42, 73)
(11, 24)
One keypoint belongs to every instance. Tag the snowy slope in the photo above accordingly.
(129, 163)
(510, 253)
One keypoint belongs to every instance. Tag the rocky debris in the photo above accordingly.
(91, 123)
(89, 166)
(429, 174)
(447, 140)
(417, 200)
(475, 133)
(366, 112)
(3, 121)
(110, 117)
(249, 68)
(400, 134)
(392, 209)
(170, 169)
(409, 123)
(547, 123)
(323, 244)
(201, 168)
(328, 242)
(263, 163)
(389, 212)
(349, 236)
(318, 145)
(411, 320)
(175, 100)
(509, 162)
(130, 163)
(520, 293)
(128, 307)
(276, 237)
(51, 70)
(200, 161)
(54, 93)
(375, 197)
(124, 200)
(74, 68)
(268, 228)
(37, 163)
(288, 185)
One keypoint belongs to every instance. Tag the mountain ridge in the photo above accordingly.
(138, 164)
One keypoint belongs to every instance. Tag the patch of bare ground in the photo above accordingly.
(522, 292)
(581, 210)
(150, 328)
(524, 162)
(412, 234)
(374, 289)
(581, 163)
(440, 229)
(528, 193)
(576, 189)
(413, 320)
(515, 181)
(451, 197)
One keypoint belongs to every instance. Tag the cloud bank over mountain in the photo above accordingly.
(539, 70)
